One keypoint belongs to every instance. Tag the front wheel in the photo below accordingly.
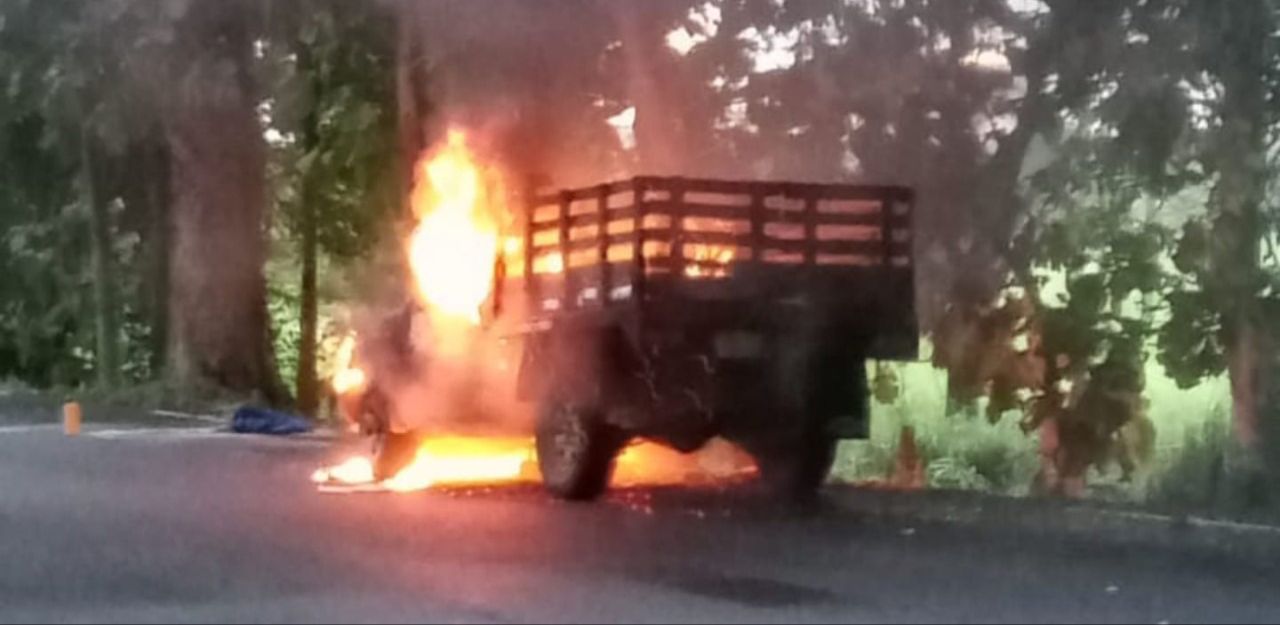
(576, 450)
(395, 452)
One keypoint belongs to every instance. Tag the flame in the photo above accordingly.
(358, 470)
(650, 464)
(445, 461)
(710, 260)
(512, 247)
(463, 461)
(549, 264)
(452, 461)
(718, 258)
(348, 378)
(454, 247)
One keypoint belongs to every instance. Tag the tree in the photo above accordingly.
(218, 321)
(73, 75)
(1227, 301)
(340, 92)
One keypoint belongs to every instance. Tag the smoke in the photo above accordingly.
(535, 79)
(441, 376)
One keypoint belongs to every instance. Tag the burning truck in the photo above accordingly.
(671, 310)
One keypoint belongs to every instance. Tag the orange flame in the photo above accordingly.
(712, 261)
(456, 242)
(452, 461)
(458, 461)
(358, 470)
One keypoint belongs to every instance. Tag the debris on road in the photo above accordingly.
(251, 420)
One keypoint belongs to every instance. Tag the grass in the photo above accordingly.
(1189, 475)
(958, 451)
(965, 451)
(11, 386)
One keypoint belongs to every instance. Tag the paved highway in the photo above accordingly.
(151, 525)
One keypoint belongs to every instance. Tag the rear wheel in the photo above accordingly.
(576, 450)
(797, 469)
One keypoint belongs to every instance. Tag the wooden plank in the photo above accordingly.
(693, 209)
(744, 213)
(637, 230)
(791, 189)
(602, 236)
(729, 239)
(810, 228)
(609, 214)
(758, 219)
(569, 247)
(566, 206)
(745, 188)
(531, 281)
(586, 244)
(586, 193)
(886, 228)
(677, 250)
(803, 247)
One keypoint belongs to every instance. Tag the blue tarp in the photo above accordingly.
(250, 420)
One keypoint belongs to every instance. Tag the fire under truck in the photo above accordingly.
(678, 310)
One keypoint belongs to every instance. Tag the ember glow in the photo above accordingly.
(706, 259)
(712, 261)
(456, 242)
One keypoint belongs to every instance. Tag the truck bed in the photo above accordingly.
(679, 250)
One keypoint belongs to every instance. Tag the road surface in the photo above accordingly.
(148, 526)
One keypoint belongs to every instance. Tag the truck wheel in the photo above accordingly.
(395, 452)
(576, 450)
(796, 471)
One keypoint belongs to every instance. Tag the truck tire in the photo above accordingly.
(576, 450)
(395, 451)
(798, 470)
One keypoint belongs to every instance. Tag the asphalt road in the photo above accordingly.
(150, 526)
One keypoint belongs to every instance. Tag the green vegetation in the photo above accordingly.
(965, 451)
(190, 197)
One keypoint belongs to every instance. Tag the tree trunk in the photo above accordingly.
(219, 327)
(156, 170)
(105, 313)
(309, 249)
(412, 101)
(308, 392)
(1238, 225)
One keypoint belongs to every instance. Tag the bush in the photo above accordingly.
(1189, 477)
(962, 450)
(959, 451)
